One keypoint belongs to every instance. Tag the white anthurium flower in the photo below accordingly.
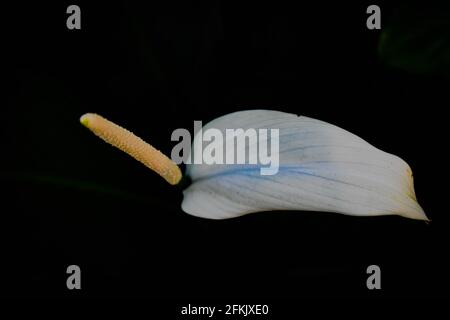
(320, 167)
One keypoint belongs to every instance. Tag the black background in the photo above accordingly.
(68, 198)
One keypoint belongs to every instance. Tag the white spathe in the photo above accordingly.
(321, 168)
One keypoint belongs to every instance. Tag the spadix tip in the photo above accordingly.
(87, 119)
